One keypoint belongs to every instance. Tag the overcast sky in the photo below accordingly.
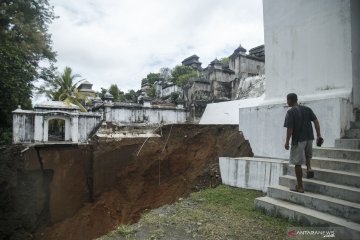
(120, 41)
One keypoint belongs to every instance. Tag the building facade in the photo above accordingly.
(309, 58)
(53, 121)
(221, 80)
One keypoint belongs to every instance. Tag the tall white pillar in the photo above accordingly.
(46, 129)
(16, 128)
(67, 129)
(108, 115)
(38, 128)
(74, 129)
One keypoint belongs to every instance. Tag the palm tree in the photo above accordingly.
(65, 88)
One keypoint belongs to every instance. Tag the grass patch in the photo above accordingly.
(122, 231)
(217, 213)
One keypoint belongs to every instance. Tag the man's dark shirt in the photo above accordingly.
(299, 118)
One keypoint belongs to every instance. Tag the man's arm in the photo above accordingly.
(289, 132)
(317, 128)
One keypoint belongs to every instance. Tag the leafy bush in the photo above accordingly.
(182, 74)
(117, 93)
(5, 137)
(151, 92)
(174, 96)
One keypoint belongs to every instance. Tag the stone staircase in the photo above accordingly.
(332, 197)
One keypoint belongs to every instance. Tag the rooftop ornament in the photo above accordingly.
(108, 97)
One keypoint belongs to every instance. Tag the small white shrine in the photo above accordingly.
(53, 121)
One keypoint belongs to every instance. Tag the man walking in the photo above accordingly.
(298, 123)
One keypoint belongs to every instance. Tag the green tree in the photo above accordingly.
(182, 74)
(102, 92)
(24, 43)
(153, 77)
(144, 81)
(131, 96)
(151, 92)
(65, 88)
(225, 61)
(174, 96)
(117, 94)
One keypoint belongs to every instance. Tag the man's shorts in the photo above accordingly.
(300, 152)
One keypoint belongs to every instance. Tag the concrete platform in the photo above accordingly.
(251, 173)
(343, 192)
(347, 143)
(334, 206)
(331, 176)
(337, 153)
(331, 198)
(355, 124)
(306, 216)
(336, 164)
(352, 133)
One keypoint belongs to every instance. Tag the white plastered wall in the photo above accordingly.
(308, 46)
(263, 125)
(149, 115)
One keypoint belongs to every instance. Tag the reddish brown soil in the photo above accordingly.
(125, 185)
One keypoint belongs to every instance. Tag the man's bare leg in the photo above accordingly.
(298, 173)
(309, 173)
(308, 164)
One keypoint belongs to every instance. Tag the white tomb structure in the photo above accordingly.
(33, 126)
(313, 50)
(145, 113)
(55, 121)
(133, 113)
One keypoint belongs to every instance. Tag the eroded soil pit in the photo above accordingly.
(93, 188)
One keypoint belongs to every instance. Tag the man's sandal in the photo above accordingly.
(297, 189)
(310, 174)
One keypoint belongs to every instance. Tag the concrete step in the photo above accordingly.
(337, 153)
(355, 125)
(343, 192)
(332, 176)
(336, 164)
(307, 216)
(318, 202)
(352, 133)
(347, 143)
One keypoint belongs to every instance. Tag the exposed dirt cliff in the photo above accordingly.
(95, 187)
